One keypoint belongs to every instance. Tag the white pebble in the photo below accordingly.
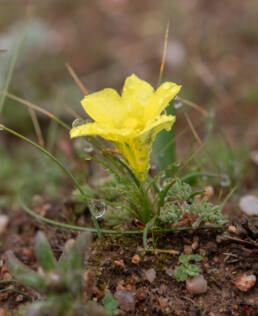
(150, 275)
(249, 205)
(4, 220)
(196, 285)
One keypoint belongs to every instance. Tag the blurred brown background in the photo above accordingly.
(212, 51)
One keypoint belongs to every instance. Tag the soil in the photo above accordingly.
(226, 257)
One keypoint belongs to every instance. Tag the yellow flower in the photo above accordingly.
(131, 121)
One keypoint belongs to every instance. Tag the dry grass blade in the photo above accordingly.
(35, 107)
(162, 65)
(76, 79)
(37, 127)
(194, 106)
(193, 129)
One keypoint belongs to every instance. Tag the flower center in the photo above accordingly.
(132, 123)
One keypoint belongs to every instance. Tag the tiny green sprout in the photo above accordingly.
(110, 304)
(186, 268)
(59, 284)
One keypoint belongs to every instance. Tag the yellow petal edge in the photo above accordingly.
(130, 121)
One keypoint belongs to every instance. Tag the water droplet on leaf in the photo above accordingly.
(178, 105)
(78, 122)
(98, 208)
(88, 148)
(225, 181)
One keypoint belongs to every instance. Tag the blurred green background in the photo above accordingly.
(212, 51)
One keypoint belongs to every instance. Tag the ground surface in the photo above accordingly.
(112, 261)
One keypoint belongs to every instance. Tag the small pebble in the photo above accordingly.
(19, 298)
(136, 259)
(119, 263)
(249, 205)
(4, 220)
(245, 282)
(208, 191)
(125, 300)
(169, 272)
(254, 157)
(232, 229)
(150, 275)
(196, 285)
(195, 243)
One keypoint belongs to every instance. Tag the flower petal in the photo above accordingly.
(136, 150)
(113, 134)
(136, 94)
(105, 107)
(160, 100)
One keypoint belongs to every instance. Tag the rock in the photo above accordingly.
(136, 259)
(249, 204)
(150, 275)
(232, 229)
(196, 285)
(245, 282)
(208, 192)
(195, 243)
(125, 300)
(169, 272)
(4, 220)
(254, 156)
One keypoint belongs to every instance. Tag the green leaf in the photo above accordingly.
(33, 280)
(73, 257)
(164, 148)
(180, 274)
(191, 269)
(110, 304)
(187, 258)
(15, 266)
(44, 252)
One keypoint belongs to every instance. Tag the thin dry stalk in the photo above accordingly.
(36, 127)
(194, 106)
(200, 142)
(76, 79)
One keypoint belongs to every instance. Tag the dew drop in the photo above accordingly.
(178, 105)
(98, 208)
(88, 148)
(78, 122)
(225, 181)
(177, 164)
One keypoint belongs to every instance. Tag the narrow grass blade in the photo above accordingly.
(35, 107)
(109, 231)
(11, 69)
(60, 164)
(44, 252)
